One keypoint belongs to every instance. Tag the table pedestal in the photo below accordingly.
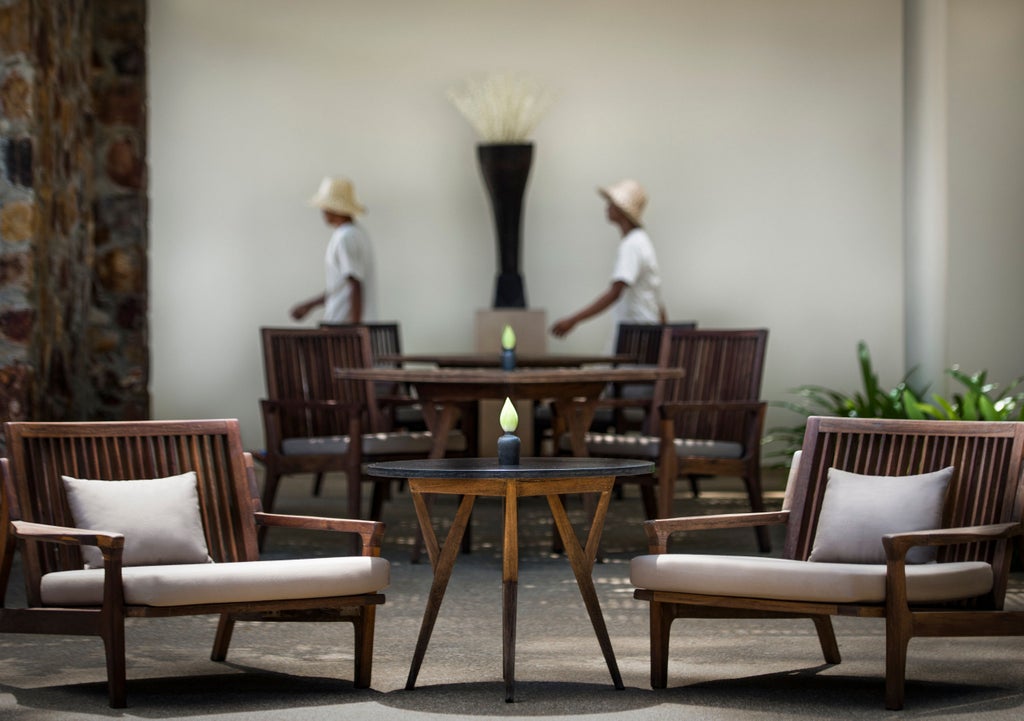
(581, 558)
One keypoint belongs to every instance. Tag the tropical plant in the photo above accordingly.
(979, 401)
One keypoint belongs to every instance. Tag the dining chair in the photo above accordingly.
(158, 519)
(642, 343)
(310, 415)
(909, 522)
(624, 405)
(398, 411)
(708, 423)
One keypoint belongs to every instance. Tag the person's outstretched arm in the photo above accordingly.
(600, 304)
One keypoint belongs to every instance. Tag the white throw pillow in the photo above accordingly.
(159, 518)
(858, 510)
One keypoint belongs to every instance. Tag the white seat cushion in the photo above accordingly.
(784, 579)
(638, 446)
(373, 443)
(194, 584)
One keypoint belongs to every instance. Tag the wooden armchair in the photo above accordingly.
(310, 415)
(709, 423)
(167, 514)
(866, 497)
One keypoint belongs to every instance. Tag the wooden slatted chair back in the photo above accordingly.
(40, 453)
(642, 341)
(720, 365)
(986, 487)
(385, 339)
(299, 364)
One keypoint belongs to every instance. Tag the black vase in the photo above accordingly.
(505, 168)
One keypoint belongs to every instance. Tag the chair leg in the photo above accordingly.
(364, 646)
(113, 642)
(377, 500)
(318, 484)
(897, 638)
(695, 485)
(223, 638)
(648, 499)
(661, 622)
(827, 638)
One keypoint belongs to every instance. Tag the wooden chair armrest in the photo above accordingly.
(658, 530)
(66, 535)
(897, 544)
(371, 532)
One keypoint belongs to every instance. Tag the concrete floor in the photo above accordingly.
(718, 670)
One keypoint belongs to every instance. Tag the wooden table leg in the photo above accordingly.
(510, 591)
(582, 562)
(443, 566)
(440, 424)
(577, 416)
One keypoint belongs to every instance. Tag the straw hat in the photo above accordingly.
(337, 195)
(628, 196)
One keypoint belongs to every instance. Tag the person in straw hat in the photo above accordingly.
(635, 290)
(350, 290)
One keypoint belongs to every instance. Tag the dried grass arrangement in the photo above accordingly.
(501, 108)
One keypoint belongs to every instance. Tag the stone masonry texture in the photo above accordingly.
(73, 210)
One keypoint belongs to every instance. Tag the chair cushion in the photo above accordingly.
(194, 584)
(785, 579)
(159, 518)
(633, 445)
(856, 511)
(373, 443)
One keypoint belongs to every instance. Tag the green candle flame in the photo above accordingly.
(508, 418)
(508, 338)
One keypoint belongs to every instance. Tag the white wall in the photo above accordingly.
(767, 133)
(986, 288)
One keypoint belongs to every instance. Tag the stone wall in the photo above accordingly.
(119, 329)
(73, 210)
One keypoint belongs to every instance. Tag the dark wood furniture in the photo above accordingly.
(982, 512)
(386, 351)
(310, 414)
(41, 527)
(623, 407)
(445, 392)
(548, 477)
(493, 360)
(708, 421)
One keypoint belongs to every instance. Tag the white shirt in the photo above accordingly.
(637, 266)
(349, 253)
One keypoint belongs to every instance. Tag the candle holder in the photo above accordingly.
(508, 449)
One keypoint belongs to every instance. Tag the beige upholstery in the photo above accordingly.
(399, 443)
(619, 445)
(859, 509)
(159, 518)
(786, 579)
(195, 584)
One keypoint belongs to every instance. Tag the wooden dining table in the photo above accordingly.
(493, 360)
(446, 392)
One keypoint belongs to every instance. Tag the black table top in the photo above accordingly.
(539, 468)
